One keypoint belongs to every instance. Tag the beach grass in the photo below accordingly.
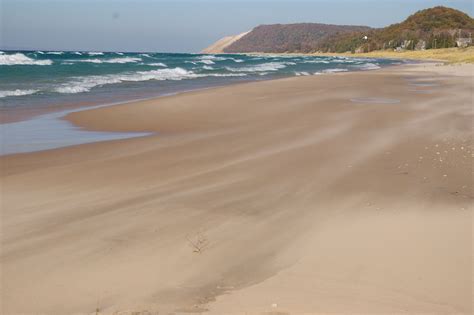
(448, 55)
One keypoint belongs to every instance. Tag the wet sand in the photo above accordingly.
(275, 197)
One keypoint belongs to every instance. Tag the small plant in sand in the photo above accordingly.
(198, 243)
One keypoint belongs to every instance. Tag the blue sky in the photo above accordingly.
(179, 25)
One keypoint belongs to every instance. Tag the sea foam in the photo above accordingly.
(85, 84)
(17, 93)
(111, 60)
(264, 67)
(21, 59)
(368, 66)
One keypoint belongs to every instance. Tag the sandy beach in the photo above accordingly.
(342, 193)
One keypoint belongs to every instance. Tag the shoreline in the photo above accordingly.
(445, 55)
(61, 113)
(10, 115)
(315, 194)
(71, 117)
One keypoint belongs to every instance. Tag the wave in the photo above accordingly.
(95, 53)
(156, 64)
(54, 52)
(208, 68)
(20, 59)
(145, 55)
(368, 66)
(207, 61)
(264, 67)
(316, 61)
(211, 59)
(302, 73)
(112, 60)
(334, 70)
(85, 84)
(17, 93)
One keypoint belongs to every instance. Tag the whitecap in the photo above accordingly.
(85, 84)
(334, 70)
(264, 67)
(17, 92)
(208, 68)
(145, 55)
(317, 61)
(20, 59)
(222, 75)
(302, 73)
(111, 60)
(207, 61)
(95, 53)
(156, 64)
(54, 52)
(368, 66)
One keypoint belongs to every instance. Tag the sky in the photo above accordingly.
(180, 25)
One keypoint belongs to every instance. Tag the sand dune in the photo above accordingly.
(219, 46)
(300, 200)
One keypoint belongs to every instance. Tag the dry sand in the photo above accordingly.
(219, 46)
(303, 202)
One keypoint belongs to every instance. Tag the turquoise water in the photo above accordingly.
(50, 131)
(36, 80)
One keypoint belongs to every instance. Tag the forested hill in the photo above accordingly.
(290, 37)
(437, 27)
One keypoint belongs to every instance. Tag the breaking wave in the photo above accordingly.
(368, 66)
(156, 64)
(17, 93)
(85, 84)
(334, 70)
(21, 59)
(264, 67)
(112, 60)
